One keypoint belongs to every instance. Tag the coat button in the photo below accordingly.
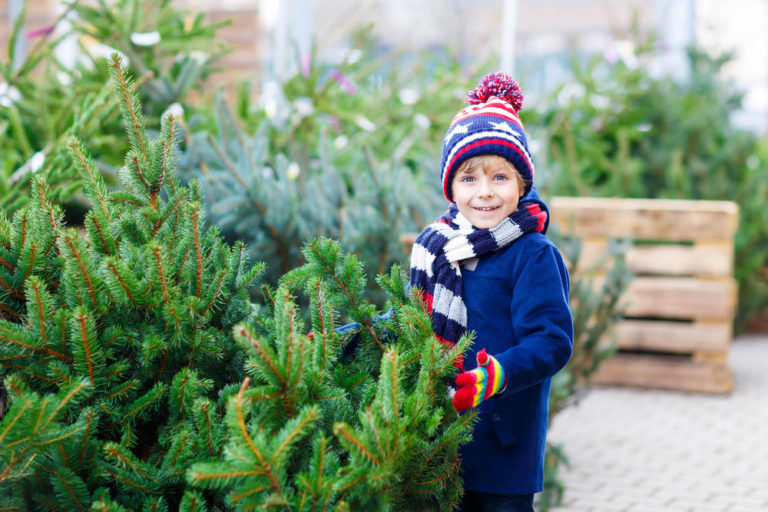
(496, 417)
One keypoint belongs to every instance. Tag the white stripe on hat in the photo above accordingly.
(513, 138)
(488, 111)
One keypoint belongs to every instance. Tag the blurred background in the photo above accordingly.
(532, 39)
(536, 40)
(302, 118)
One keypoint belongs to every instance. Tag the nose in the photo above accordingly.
(484, 190)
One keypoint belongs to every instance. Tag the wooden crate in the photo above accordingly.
(677, 325)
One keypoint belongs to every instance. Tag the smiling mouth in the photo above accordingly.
(486, 208)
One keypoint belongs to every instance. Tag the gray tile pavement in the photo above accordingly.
(639, 450)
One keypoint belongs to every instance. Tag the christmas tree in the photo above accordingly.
(265, 197)
(140, 376)
(344, 417)
(116, 339)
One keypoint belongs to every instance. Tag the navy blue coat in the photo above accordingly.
(517, 306)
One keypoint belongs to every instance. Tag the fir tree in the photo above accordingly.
(261, 195)
(356, 418)
(116, 340)
(141, 377)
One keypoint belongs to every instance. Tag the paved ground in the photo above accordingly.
(646, 451)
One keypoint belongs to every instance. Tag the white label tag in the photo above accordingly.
(470, 264)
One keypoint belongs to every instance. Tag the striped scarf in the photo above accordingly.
(436, 254)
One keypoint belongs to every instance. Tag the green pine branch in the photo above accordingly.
(314, 428)
(106, 332)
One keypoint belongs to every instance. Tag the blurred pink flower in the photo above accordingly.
(335, 123)
(40, 32)
(306, 64)
(344, 81)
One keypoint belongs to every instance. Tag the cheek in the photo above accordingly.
(459, 192)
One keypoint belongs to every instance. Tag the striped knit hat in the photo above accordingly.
(490, 126)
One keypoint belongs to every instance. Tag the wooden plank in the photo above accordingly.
(669, 297)
(407, 240)
(680, 298)
(676, 337)
(645, 219)
(711, 357)
(713, 259)
(665, 372)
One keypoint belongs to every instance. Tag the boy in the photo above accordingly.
(486, 267)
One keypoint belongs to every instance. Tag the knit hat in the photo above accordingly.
(490, 126)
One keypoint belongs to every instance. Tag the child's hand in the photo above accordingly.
(479, 384)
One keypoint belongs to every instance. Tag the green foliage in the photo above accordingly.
(275, 206)
(142, 377)
(345, 418)
(42, 109)
(49, 102)
(397, 106)
(347, 151)
(554, 488)
(172, 50)
(619, 131)
(116, 340)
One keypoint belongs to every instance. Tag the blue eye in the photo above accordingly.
(500, 177)
(468, 179)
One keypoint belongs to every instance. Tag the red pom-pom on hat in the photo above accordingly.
(500, 85)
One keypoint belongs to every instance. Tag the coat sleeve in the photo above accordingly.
(541, 321)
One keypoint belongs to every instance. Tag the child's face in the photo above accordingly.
(487, 192)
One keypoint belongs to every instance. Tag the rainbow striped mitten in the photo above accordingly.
(479, 384)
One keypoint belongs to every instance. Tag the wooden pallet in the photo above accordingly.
(677, 324)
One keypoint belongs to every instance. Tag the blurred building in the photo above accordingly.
(534, 39)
